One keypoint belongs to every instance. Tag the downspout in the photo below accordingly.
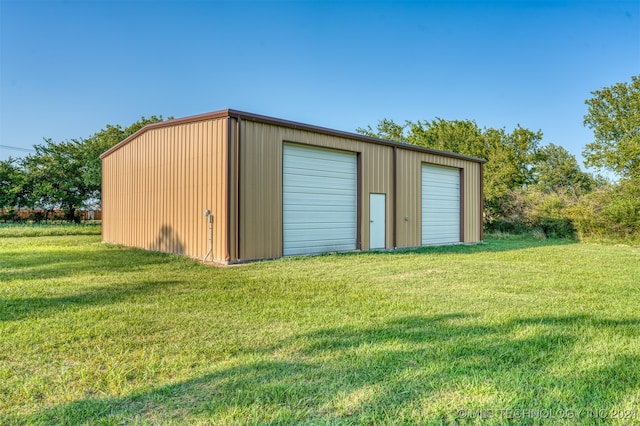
(394, 229)
(228, 188)
(238, 123)
(481, 201)
(359, 196)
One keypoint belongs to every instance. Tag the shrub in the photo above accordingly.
(37, 216)
(610, 212)
(10, 215)
(534, 212)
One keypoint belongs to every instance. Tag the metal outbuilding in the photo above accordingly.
(277, 188)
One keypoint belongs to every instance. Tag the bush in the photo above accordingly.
(610, 212)
(37, 216)
(11, 215)
(534, 212)
(556, 227)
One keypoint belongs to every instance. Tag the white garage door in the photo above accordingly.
(440, 205)
(319, 200)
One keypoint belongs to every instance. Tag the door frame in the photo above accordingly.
(372, 197)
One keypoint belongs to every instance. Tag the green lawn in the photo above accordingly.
(513, 330)
(42, 229)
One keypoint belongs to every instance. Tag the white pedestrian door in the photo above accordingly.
(377, 221)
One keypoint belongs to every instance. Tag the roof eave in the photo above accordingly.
(231, 113)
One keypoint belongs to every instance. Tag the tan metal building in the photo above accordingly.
(276, 188)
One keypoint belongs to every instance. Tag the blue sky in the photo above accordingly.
(68, 68)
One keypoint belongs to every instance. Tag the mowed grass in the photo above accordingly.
(14, 230)
(99, 334)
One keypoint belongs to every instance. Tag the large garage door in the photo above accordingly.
(440, 205)
(319, 200)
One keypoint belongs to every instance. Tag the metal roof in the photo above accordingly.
(241, 115)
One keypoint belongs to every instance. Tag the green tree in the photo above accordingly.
(614, 117)
(55, 177)
(65, 175)
(557, 170)
(12, 184)
(461, 136)
(386, 129)
(509, 155)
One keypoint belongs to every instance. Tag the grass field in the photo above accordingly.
(14, 230)
(514, 330)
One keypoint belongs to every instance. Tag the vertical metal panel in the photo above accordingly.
(156, 188)
(260, 221)
(231, 195)
(481, 201)
(408, 199)
(461, 198)
(409, 166)
(261, 183)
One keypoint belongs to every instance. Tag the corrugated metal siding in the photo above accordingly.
(232, 190)
(260, 194)
(261, 183)
(409, 204)
(156, 188)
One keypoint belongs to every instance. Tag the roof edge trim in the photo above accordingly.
(231, 113)
(168, 123)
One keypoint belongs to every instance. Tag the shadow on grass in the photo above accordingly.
(58, 262)
(386, 373)
(20, 308)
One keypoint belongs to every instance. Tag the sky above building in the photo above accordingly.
(69, 68)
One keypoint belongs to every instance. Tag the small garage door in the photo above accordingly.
(440, 205)
(319, 200)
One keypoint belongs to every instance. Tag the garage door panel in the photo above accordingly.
(328, 172)
(442, 223)
(304, 161)
(445, 229)
(303, 186)
(300, 218)
(306, 222)
(317, 247)
(440, 204)
(309, 162)
(325, 191)
(443, 186)
(305, 200)
(317, 163)
(301, 237)
(313, 152)
(441, 213)
(319, 200)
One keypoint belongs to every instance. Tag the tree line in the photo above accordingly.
(533, 187)
(527, 186)
(64, 175)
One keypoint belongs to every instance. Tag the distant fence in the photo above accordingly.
(20, 215)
